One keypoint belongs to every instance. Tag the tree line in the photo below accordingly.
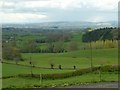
(54, 41)
(108, 33)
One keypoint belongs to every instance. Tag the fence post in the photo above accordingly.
(40, 78)
(100, 74)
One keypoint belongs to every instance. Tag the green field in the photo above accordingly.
(10, 70)
(101, 54)
(81, 59)
(83, 79)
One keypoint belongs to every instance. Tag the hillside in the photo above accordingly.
(101, 34)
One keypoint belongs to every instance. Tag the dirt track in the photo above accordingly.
(96, 85)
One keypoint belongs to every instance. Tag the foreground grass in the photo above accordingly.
(83, 79)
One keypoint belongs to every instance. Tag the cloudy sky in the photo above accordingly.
(19, 11)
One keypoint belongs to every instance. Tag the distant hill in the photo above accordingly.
(59, 25)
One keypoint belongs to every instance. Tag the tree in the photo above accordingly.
(73, 46)
(58, 47)
(74, 67)
(11, 53)
(100, 34)
(52, 64)
(30, 47)
(60, 67)
(51, 47)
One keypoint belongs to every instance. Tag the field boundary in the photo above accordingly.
(107, 68)
(41, 67)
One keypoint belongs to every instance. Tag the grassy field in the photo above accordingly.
(103, 53)
(83, 79)
(81, 59)
(9, 70)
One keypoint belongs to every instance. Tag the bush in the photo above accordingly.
(110, 68)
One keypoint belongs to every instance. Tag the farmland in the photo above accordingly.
(79, 58)
(39, 52)
(100, 57)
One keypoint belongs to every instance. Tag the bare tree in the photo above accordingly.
(73, 46)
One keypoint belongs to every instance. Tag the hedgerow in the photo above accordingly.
(107, 68)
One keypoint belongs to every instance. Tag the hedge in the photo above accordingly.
(108, 68)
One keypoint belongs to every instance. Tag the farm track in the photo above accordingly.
(95, 85)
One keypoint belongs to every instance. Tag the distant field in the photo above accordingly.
(81, 59)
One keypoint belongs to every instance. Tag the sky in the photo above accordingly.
(27, 11)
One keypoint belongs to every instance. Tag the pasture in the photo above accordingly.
(10, 70)
(81, 59)
(39, 61)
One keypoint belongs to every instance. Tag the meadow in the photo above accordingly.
(81, 58)
(10, 70)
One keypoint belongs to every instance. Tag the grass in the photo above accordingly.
(81, 59)
(9, 70)
(83, 79)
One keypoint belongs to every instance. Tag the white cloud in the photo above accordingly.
(101, 18)
(104, 5)
(65, 4)
(18, 17)
(11, 8)
(71, 4)
(51, 4)
(8, 4)
(96, 19)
